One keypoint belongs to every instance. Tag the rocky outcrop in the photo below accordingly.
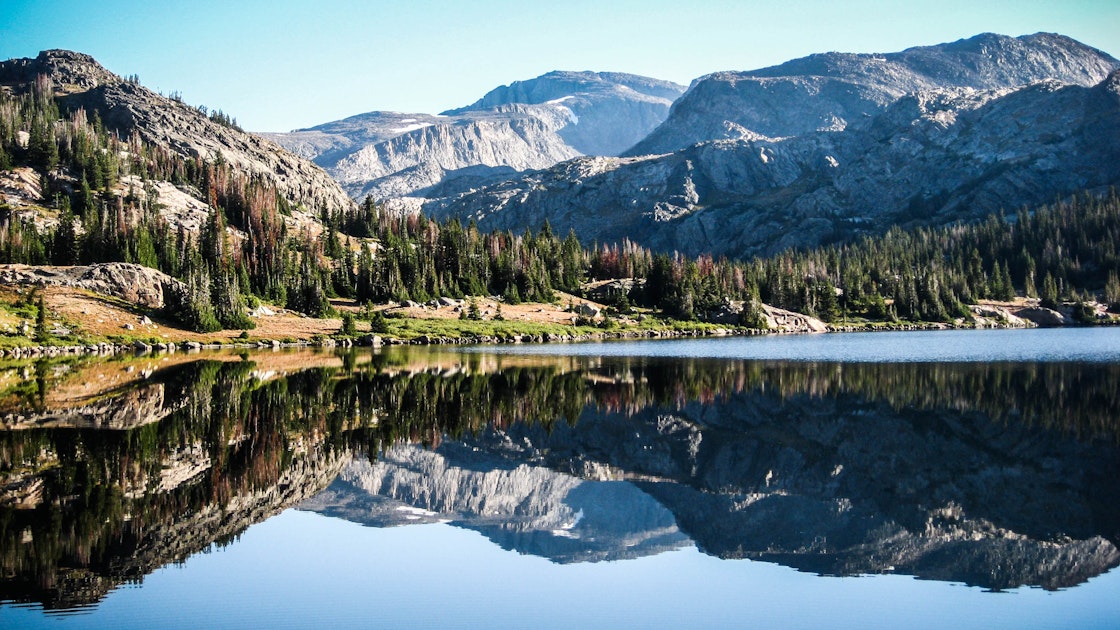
(929, 158)
(779, 319)
(71, 72)
(133, 283)
(993, 316)
(1042, 316)
(525, 126)
(832, 91)
(128, 108)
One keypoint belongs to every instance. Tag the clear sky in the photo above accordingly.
(277, 65)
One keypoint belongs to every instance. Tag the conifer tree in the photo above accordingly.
(65, 247)
(41, 332)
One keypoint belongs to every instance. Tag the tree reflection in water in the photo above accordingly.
(998, 475)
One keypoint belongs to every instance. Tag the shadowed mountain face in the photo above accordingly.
(998, 475)
(927, 159)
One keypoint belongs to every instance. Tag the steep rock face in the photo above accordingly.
(527, 125)
(832, 91)
(127, 107)
(514, 138)
(929, 158)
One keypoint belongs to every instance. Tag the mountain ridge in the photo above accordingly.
(846, 87)
(527, 125)
(926, 157)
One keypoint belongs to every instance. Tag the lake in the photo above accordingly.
(925, 479)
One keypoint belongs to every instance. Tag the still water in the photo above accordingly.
(838, 480)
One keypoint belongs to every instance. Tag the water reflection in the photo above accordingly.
(997, 475)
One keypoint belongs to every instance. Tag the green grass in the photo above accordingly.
(402, 328)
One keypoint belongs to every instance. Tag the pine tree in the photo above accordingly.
(378, 323)
(65, 247)
(41, 332)
(1112, 292)
(1049, 292)
(349, 328)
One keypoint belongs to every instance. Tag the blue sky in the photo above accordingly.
(277, 65)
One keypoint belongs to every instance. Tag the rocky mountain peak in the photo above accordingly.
(127, 107)
(830, 91)
(74, 69)
(560, 84)
(69, 71)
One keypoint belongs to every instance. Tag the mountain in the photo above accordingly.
(831, 91)
(524, 126)
(127, 107)
(609, 111)
(924, 157)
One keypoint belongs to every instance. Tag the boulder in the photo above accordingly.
(588, 310)
(789, 321)
(133, 283)
(996, 314)
(1042, 316)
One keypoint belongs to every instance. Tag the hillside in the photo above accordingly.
(96, 168)
(126, 107)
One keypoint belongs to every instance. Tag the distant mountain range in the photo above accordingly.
(824, 148)
(527, 125)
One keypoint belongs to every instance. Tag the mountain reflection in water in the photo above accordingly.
(996, 475)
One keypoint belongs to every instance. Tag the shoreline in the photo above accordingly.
(108, 349)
